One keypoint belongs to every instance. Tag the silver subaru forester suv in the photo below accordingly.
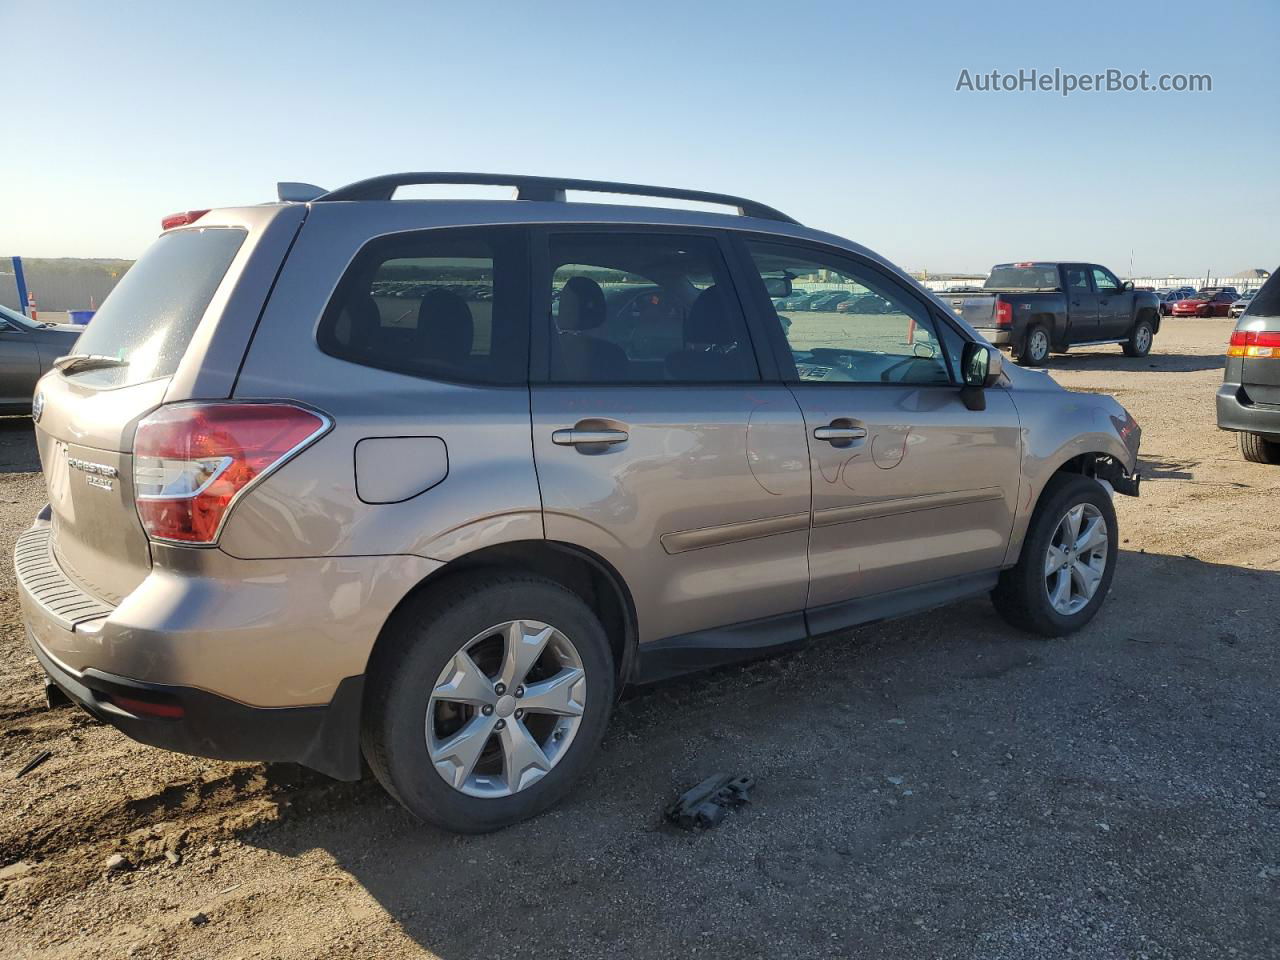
(428, 482)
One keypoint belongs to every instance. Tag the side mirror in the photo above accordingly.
(1128, 285)
(778, 286)
(980, 367)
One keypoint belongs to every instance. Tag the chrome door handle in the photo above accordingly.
(832, 434)
(571, 438)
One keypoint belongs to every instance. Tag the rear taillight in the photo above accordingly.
(1254, 343)
(181, 219)
(192, 461)
(1004, 314)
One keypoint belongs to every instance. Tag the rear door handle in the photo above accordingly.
(839, 434)
(572, 438)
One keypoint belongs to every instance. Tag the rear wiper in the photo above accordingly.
(87, 361)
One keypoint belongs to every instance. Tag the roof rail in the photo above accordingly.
(544, 188)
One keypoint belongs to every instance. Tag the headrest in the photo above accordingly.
(581, 305)
(445, 329)
(709, 319)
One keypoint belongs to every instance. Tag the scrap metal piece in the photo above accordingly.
(38, 759)
(704, 806)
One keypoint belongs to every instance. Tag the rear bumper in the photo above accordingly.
(255, 659)
(203, 724)
(997, 337)
(1235, 413)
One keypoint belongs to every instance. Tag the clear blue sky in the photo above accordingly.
(843, 114)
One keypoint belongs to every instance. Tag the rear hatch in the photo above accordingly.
(1260, 374)
(176, 327)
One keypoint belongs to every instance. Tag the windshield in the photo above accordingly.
(14, 316)
(151, 315)
(1023, 276)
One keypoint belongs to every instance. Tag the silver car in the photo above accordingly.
(297, 515)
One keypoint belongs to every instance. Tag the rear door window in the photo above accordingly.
(152, 314)
(441, 304)
(645, 308)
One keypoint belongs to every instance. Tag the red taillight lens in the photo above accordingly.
(181, 219)
(192, 461)
(1254, 343)
(1004, 314)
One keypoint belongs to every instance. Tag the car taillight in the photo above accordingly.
(1254, 343)
(1004, 314)
(192, 461)
(181, 219)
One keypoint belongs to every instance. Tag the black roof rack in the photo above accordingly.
(544, 188)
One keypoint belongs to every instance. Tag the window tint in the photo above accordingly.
(644, 308)
(449, 305)
(846, 323)
(149, 318)
(1077, 278)
(1105, 281)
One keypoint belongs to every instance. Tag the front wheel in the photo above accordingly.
(1139, 342)
(1258, 449)
(1068, 560)
(486, 700)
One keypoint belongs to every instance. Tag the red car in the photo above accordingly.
(1209, 302)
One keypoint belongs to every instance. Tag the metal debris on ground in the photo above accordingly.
(705, 805)
(35, 761)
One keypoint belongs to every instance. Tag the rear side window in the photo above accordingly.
(443, 304)
(645, 308)
(1266, 302)
(151, 315)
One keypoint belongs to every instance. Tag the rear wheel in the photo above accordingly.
(1035, 349)
(1140, 339)
(487, 700)
(1258, 449)
(1068, 559)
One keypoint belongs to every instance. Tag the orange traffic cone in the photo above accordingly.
(31, 305)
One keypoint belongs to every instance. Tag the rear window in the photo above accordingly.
(1266, 302)
(1023, 276)
(151, 315)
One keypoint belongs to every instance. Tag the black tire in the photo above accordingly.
(1258, 449)
(1021, 596)
(1035, 347)
(1140, 339)
(421, 641)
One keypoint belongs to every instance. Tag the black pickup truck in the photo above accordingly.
(1036, 308)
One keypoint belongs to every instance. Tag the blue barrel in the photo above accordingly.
(81, 316)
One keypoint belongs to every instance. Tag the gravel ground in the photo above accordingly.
(942, 786)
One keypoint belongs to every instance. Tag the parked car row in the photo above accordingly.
(1219, 301)
(407, 289)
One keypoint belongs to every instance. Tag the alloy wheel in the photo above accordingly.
(1038, 346)
(1076, 558)
(1142, 339)
(505, 709)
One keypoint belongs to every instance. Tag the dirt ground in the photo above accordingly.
(941, 786)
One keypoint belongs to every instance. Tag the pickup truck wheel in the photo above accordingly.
(1035, 348)
(486, 700)
(1068, 559)
(1258, 449)
(1140, 339)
